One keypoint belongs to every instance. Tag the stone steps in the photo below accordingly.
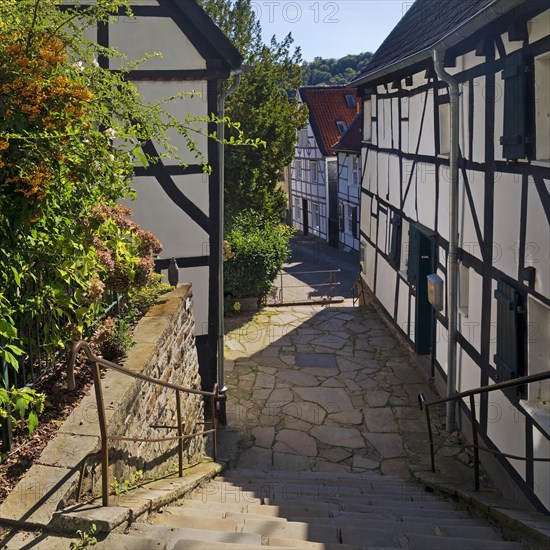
(324, 511)
(247, 511)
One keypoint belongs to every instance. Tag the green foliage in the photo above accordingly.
(262, 105)
(113, 338)
(259, 247)
(141, 300)
(120, 487)
(87, 538)
(27, 403)
(332, 72)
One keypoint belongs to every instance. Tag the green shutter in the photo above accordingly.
(395, 249)
(414, 255)
(506, 358)
(513, 140)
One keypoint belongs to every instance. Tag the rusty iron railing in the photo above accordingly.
(326, 290)
(471, 394)
(98, 362)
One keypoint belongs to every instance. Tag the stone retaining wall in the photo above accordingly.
(165, 348)
(149, 411)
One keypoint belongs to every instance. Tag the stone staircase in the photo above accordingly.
(249, 510)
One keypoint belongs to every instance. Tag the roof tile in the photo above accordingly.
(327, 105)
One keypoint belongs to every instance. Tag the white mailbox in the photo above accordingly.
(435, 291)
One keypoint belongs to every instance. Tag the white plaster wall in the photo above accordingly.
(179, 108)
(541, 449)
(479, 120)
(426, 194)
(441, 345)
(403, 307)
(383, 175)
(468, 236)
(468, 374)
(506, 428)
(470, 326)
(155, 211)
(384, 122)
(537, 246)
(507, 206)
(139, 36)
(365, 223)
(371, 257)
(385, 285)
(539, 26)
(393, 178)
(416, 106)
(198, 277)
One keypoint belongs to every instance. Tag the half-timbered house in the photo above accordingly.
(348, 151)
(456, 145)
(314, 171)
(181, 204)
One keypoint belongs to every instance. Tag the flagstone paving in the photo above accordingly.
(290, 408)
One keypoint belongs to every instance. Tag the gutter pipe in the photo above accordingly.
(222, 389)
(452, 259)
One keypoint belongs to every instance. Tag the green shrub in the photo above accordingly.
(258, 250)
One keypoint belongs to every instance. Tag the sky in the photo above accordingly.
(330, 29)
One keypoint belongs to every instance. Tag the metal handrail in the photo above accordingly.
(105, 438)
(471, 394)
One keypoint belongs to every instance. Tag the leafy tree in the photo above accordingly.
(263, 107)
(70, 135)
(330, 72)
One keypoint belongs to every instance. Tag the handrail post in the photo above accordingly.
(180, 434)
(475, 441)
(430, 435)
(213, 403)
(103, 431)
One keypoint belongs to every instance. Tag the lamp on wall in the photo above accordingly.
(528, 275)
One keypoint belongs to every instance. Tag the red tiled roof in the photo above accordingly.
(327, 105)
(351, 140)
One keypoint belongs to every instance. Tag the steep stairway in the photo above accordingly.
(249, 510)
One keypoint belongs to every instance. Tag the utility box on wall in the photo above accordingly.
(435, 291)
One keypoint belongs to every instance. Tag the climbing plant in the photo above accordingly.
(71, 132)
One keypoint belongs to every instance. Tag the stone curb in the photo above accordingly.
(517, 524)
(125, 509)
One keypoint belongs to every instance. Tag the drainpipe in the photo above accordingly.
(452, 263)
(221, 219)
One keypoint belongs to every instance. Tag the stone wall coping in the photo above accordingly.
(52, 479)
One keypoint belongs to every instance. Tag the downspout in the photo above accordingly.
(224, 94)
(452, 262)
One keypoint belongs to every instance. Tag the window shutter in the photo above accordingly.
(513, 140)
(414, 255)
(395, 247)
(354, 221)
(506, 358)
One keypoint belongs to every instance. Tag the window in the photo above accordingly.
(342, 126)
(313, 171)
(506, 357)
(513, 74)
(350, 100)
(298, 169)
(352, 220)
(463, 289)
(542, 107)
(296, 207)
(315, 217)
(341, 216)
(355, 171)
